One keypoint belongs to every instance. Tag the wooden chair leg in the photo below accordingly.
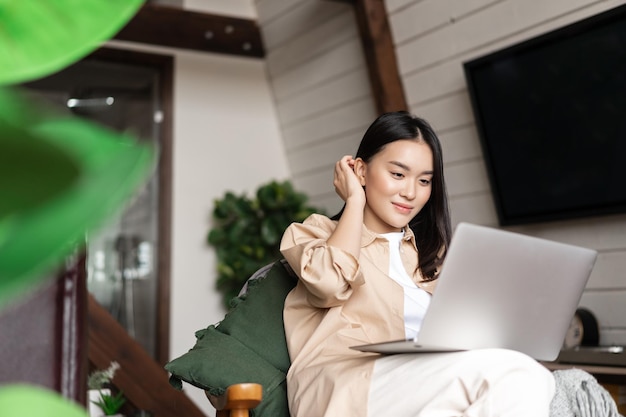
(237, 400)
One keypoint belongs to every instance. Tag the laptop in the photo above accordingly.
(499, 289)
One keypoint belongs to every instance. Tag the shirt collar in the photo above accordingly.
(368, 237)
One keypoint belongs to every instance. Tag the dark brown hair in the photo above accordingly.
(431, 225)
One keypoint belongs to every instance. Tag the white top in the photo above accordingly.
(416, 300)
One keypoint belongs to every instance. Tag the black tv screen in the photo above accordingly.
(551, 117)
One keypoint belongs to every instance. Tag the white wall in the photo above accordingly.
(225, 137)
(324, 104)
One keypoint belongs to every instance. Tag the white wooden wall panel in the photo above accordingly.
(609, 336)
(345, 120)
(318, 183)
(459, 144)
(312, 43)
(295, 20)
(447, 112)
(325, 154)
(439, 13)
(395, 6)
(449, 79)
(342, 60)
(473, 208)
(466, 178)
(269, 10)
(600, 233)
(328, 95)
(502, 19)
(610, 271)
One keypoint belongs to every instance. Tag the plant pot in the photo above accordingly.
(94, 395)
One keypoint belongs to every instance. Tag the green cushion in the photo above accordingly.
(248, 345)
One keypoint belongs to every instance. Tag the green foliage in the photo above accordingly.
(40, 37)
(110, 404)
(246, 231)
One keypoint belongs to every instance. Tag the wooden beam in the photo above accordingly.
(143, 381)
(178, 28)
(380, 55)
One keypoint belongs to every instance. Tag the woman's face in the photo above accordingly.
(398, 183)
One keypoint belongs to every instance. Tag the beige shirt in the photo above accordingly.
(339, 302)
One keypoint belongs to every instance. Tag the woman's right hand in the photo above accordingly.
(347, 235)
(346, 182)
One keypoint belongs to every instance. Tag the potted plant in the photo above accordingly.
(101, 401)
(246, 231)
(110, 404)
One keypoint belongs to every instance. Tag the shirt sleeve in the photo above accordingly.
(328, 273)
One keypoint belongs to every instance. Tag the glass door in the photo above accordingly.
(122, 264)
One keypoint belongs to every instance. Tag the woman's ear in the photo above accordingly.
(359, 169)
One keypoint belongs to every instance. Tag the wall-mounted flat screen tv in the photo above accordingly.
(551, 117)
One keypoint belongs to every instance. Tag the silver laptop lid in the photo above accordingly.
(506, 290)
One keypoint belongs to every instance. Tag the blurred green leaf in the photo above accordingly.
(269, 232)
(40, 37)
(31, 401)
(47, 207)
(33, 172)
(216, 236)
